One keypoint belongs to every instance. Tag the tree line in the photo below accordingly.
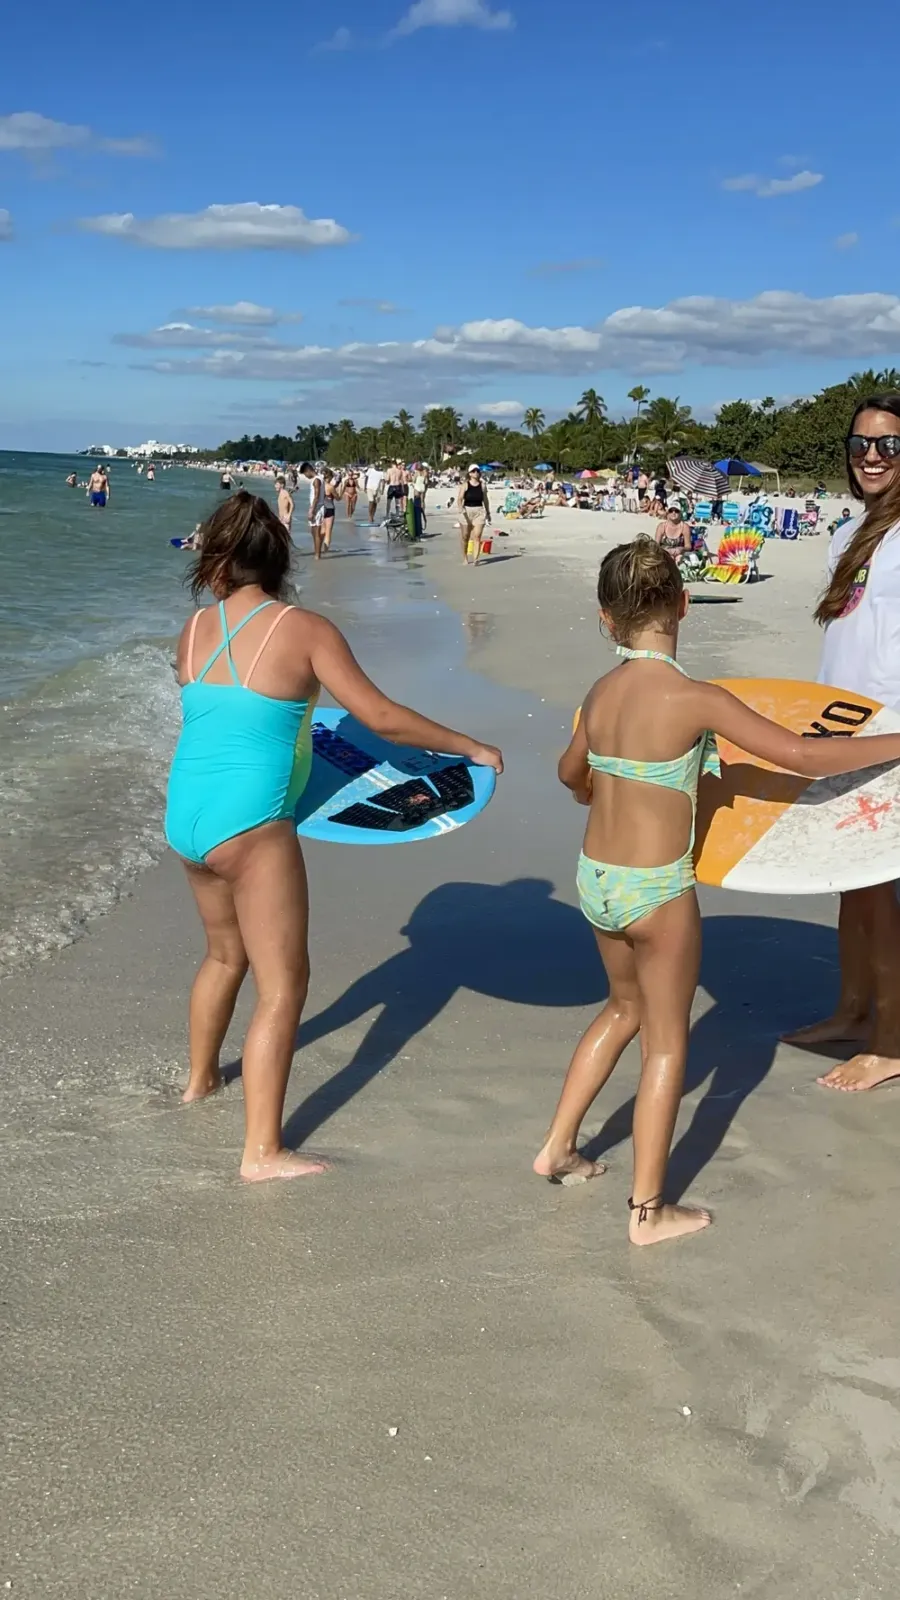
(803, 437)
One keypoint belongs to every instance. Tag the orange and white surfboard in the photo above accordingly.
(769, 832)
(766, 831)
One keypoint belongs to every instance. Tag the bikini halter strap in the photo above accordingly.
(649, 655)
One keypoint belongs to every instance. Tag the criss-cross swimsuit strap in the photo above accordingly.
(269, 632)
(228, 634)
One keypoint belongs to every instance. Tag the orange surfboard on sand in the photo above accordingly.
(765, 831)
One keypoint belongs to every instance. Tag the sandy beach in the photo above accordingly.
(431, 1376)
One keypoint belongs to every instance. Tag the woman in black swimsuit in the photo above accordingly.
(474, 508)
(331, 492)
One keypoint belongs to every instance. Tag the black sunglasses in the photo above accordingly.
(887, 445)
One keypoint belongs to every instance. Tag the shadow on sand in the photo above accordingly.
(515, 942)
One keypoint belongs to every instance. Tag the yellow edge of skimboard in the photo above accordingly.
(731, 821)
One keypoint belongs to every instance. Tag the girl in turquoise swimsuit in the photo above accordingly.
(250, 669)
(645, 735)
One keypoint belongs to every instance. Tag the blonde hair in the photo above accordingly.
(638, 582)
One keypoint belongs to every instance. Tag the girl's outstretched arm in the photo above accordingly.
(335, 666)
(725, 714)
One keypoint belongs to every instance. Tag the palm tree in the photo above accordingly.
(889, 378)
(862, 384)
(591, 407)
(640, 395)
(666, 423)
(534, 420)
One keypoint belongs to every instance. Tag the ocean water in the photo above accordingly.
(91, 603)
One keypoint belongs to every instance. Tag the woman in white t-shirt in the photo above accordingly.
(860, 611)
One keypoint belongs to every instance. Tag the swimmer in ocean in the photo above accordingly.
(98, 488)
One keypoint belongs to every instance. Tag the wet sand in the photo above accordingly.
(202, 1381)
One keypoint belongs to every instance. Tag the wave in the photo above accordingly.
(82, 792)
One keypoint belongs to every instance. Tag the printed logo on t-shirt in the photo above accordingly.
(860, 579)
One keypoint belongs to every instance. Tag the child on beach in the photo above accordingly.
(644, 736)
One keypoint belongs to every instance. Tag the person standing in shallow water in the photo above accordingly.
(860, 612)
(250, 669)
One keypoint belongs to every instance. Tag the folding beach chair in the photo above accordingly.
(737, 558)
(731, 513)
(702, 511)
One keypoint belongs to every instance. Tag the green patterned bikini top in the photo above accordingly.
(682, 773)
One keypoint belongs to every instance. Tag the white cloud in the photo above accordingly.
(699, 330)
(6, 227)
(846, 241)
(341, 39)
(184, 336)
(766, 188)
(454, 14)
(248, 226)
(36, 135)
(501, 410)
(385, 307)
(243, 314)
(791, 163)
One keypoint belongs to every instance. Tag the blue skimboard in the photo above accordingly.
(363, 790)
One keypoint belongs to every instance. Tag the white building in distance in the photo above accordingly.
(142, 452)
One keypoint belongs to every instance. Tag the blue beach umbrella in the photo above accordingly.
(734, 467)
(542, 466)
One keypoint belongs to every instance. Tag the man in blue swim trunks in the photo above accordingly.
(98, 487)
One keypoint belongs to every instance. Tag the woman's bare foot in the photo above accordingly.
(283, 1164)
(566, 1167)
(666, 1222)
(839, 1029)
(202, 1088)
(863, 1072)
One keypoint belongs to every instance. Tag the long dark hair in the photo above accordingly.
(242, 542)
(878, 519)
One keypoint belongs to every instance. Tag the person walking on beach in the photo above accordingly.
(644, 736)
(474, 509)
(250, 669)
(98, 492)
(316, 505)
(397, 486)
(331, 493)
(285, 503)
(860, 612)
(351, 494)
(374, 480)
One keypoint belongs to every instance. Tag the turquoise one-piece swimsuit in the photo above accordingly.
(243, 759)
(613, 897)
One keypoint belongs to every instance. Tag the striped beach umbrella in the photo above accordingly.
(697, 477)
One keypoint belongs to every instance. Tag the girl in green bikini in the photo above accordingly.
(645, 734)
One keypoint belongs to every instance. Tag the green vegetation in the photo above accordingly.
(803, 439)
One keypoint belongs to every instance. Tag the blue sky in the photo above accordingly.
(351, 207)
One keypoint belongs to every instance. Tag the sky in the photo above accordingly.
(216, 220)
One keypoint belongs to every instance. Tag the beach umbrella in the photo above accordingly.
(542, 466)
(587, 473)
(734, 467)
(697, 477)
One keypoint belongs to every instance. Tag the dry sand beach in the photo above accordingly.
(429, 1375)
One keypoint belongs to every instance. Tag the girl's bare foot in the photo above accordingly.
(202, 1088)
(651, 1226)
(283, 1164)
(833, 1030)
(566, 1167)
(863, 1072)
